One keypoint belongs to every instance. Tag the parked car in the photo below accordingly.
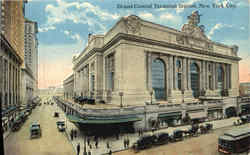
(177, 136)
(60, 125)
(162, 138)
(16, 125)
(35, 130)
(144, 142)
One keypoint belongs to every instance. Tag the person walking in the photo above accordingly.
(71, 135)
(88, 141)
(107, 145)
(128, 143)
(89, 153)
(124, 143)
(110, 152)
(78, 148)
(96, 143)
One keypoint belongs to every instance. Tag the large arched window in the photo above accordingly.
(158, 79)
(220, 73)
(195, 86)
(179, 71)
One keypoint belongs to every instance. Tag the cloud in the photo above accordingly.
(146, 16)
(79, 12)
(45, 29)
(217, 27)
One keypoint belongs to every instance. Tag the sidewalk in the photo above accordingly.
(117, 145)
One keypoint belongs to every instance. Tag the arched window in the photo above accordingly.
(220, 73)
(179, 73)
(158, 79)
(195, 86)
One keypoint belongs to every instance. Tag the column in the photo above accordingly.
(188, 74)
(184, 74)
(214, 76)
(201, 75)
(149, 62)
(230, 76)
(1, 81)
(174, 73)
(170, 73)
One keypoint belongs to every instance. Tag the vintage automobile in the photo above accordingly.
(144, 142)
(176, 136)
(245, 119)
(56, 114)
(60, 125)
(35, 130)
(16, 125)
(162, 138)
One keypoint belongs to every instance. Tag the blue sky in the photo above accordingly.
(64, 26)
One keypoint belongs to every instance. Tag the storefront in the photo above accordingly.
(170, 119)
(245, 109)
(215, 113)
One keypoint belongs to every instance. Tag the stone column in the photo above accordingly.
(149, 62)
(202, 75)
(188, 74)
(170, 74)
(227, 76)
(1, 80)
(174, 73)
(214, 75)
(184, 74)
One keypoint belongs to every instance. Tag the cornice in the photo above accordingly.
(139, 39)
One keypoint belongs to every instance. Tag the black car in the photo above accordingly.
(145, 142)
(177, 136)
(162, 138)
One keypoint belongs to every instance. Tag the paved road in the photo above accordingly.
(203, 145)
(52, 142)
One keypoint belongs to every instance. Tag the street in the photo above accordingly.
(203, 145)
(52, 142)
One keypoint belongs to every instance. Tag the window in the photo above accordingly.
(110, 72)
(194, 71)
(220, 73)
(179, 74)
(158, 79)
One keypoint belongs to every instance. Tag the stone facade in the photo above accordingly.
(11, 59)
(120, 63)
(68, 87)
(245, 89)
(27, 87)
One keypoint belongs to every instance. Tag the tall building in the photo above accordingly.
(11, 58)
(180, 71)
(31, 49)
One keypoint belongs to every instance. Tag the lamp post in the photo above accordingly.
(151, 94)
(121, 94)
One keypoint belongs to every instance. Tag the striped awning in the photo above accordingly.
(114, 120)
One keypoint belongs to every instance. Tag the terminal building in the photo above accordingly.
(174, 72)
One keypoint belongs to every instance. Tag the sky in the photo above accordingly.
(64, 26)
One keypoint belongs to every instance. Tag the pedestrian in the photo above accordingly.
(71, 135)
(88, 140)
(110, 152)
(78, 148)
(128, 143)
(90, 146)
(107, 144)
(75, 133)
(124, 143)
(96, 143)
(89, 153)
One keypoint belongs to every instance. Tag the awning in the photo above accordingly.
(170, 115)
(197, 115)
(214, 108)
(75, 119)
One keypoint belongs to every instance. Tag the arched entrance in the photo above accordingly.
(195, 79)
(230, 112)
(158, 79)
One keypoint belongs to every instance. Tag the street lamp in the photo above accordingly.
(151, 94)
(121, 94)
